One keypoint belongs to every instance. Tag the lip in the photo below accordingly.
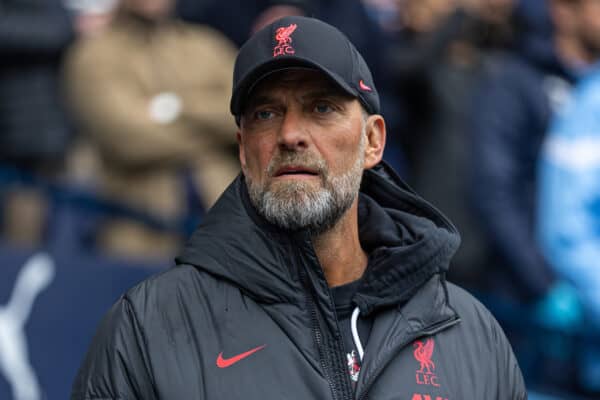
(295, 172)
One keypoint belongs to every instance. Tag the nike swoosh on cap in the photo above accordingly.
(228, 362)
(363, 86)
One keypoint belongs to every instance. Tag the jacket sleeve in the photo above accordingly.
(500, 190)
(511, 385)
(116, 365)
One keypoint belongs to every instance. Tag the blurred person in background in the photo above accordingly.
(151, 93)
(510, 119)
(438, 59)
(34, 129)
(91, 16)
(435, 36)
(385, 13)
(569, 206)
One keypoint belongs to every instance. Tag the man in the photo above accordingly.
(150, 92)
(295, 285)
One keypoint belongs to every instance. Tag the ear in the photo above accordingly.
(375, 131)
(242, 153)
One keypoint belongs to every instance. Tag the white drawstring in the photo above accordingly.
(355, 336)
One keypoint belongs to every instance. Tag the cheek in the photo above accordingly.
(341, 152)
(595, 24)
(591, 17)
(258, 153)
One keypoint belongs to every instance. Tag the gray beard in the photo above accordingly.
(298, 205)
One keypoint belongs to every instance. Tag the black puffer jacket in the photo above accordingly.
(33, 122)
(248, 315)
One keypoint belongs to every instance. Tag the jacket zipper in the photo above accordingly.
(317, 335)
(429, 331)
(337, 381)
(319, 341)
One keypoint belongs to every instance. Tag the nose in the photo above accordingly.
(293, 131)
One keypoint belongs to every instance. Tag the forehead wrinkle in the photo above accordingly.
(305, 85)
(260, 99)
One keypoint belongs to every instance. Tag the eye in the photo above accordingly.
(323, 108)
(263, 115)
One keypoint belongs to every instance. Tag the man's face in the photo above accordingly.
(302, 149)
(580, 20)
(589, 26)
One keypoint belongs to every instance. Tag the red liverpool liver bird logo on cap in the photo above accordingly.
(423, 352)
(282, 35)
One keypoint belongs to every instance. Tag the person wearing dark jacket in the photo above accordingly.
(34, 127)
(33, 123)
(318, 274)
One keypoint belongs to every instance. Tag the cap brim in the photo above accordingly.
(260, 72)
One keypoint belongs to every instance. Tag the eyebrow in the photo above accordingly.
(259, 101)
(263, 99)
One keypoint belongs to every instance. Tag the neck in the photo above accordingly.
(339, 252)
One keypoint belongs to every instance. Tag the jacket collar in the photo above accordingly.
(425, 314)
(408, 242)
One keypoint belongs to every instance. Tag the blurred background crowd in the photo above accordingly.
(115, 137)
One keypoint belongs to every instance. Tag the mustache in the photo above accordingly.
(306, 160)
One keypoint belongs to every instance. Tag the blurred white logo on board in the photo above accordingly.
(34, 277)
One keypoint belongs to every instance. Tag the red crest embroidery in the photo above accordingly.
(282, 35)
(426, 373)
(423, 353)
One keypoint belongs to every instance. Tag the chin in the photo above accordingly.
(293, 187)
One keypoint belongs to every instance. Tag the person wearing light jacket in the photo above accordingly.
(571, 159)
(150, 94)
(569, 214)
(318, 274)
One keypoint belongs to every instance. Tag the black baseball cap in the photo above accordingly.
(292, 42)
